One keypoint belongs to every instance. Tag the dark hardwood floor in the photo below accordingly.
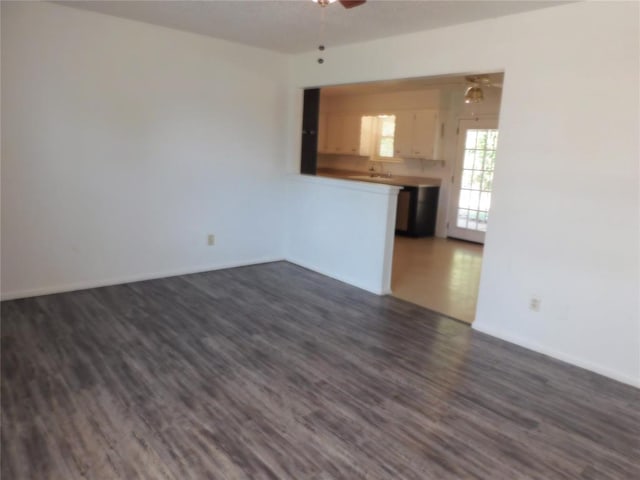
(275, 372)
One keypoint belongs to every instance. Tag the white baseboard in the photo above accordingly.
(578, 362)
(351, 281)
(70, 287)
(536, 347)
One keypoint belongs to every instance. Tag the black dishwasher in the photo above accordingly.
(417, 211)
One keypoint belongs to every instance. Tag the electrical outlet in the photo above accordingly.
(534, 304)
(211, 239)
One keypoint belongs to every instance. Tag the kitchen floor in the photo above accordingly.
(440, 274)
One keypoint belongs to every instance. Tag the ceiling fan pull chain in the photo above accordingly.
(322, 29)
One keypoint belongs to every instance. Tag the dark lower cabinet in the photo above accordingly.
(417, 211)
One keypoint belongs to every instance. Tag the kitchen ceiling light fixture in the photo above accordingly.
(474, 94)
(323, 3)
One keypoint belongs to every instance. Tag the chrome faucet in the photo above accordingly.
(381, 173)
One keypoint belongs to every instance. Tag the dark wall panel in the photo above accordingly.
(309, 153)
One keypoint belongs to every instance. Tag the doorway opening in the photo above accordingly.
(442, 272)
(436, 137)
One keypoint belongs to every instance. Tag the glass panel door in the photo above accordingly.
(473, 179)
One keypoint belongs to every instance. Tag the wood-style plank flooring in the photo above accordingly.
(275, 372)
(441, 274)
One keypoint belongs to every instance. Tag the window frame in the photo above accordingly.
(377, 137)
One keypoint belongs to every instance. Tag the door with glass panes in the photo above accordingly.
(473, 179)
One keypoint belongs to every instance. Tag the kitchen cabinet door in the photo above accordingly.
(322, 133)
(350, 141)
(367, 126)
(425, 134)
(334, 142)
(417, 134)
(403, 137)
(343, 134)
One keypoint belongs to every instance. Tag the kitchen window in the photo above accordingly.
(382, 137)
(385, 134)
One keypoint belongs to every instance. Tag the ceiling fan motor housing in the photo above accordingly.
(344, 3)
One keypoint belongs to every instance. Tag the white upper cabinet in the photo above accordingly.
(417, 134)
(403, 138)
(322, 133)
(344, 134)
(426, 134)
(334, 133)
(350, 134)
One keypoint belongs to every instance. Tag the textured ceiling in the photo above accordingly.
(294, 26)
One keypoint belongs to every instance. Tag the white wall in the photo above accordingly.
(564, 223)
(324, 235)
(382, 102)
(125, 144)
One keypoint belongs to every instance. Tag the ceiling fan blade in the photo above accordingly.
(352, 3)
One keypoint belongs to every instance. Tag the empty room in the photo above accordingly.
(208, 216)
